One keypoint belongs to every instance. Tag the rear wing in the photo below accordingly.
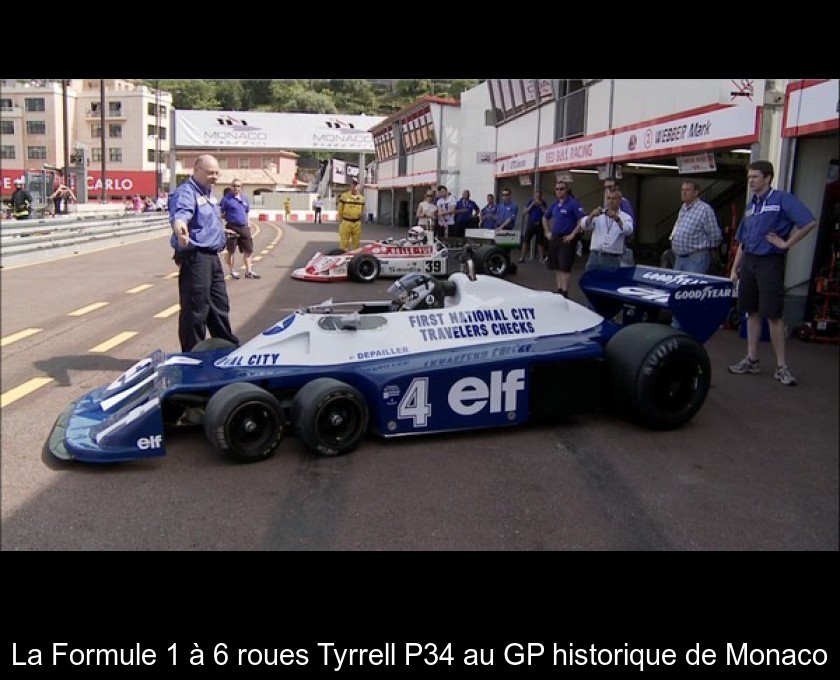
(505, 238)
(698, 302)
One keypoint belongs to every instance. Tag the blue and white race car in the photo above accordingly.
(473, 351)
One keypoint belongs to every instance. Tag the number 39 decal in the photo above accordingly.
(434, 267)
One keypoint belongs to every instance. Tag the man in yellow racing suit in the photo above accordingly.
(351, 207)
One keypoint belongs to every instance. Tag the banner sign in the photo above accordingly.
(810, 107)
(267, 130)
(699, 162)
(122, 182)
(706, 129)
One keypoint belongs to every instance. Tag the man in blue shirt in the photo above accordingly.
(197, 238)
(234, 208)
(566, 216)
(466, 213)
(507, 212)
(488, 213)
(534, 229)
(773, 222)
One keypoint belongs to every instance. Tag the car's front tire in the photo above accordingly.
(659, 376)
(330, 417)
(364, 268)
(210, 344)
(244, 422)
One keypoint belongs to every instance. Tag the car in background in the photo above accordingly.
(419, 252)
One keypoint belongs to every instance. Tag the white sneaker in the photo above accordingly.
(746, 365)
(784, 376)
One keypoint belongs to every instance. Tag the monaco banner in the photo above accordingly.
(265, 130)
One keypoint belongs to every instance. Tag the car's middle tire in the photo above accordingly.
(363, 268)
(244, 422)
(330, 417)
(659, 376)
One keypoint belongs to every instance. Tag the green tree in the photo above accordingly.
(190, 94)
(296, 96)
(231, 95)
(353, 96)
(257, 94)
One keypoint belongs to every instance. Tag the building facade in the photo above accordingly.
(55, 127)
(650, 134)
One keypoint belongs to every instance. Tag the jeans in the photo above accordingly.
(698, 263)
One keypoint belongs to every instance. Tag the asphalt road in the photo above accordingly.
(755, 470)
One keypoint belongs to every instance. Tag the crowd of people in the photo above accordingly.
(773, 222)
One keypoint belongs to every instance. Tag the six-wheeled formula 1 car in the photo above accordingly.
(473, 351)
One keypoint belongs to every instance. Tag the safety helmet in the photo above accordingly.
(416, 234)
(416, 291)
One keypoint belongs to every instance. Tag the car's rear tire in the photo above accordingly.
(495, 261)
(363, 268)
(660, 376)
(330, 416)
(209, 344)
(244, 422)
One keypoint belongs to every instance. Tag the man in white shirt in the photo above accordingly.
(609, 226)
(446, 211)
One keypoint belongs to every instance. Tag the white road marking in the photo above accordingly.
(20, 335)
(89, 308)
(22, 390)
(113, 342)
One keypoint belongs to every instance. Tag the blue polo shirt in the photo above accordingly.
(507, 211)
(489, 216)
(198, 207)
(564, 216)
(235, 209)
(465, 217)
(775, 211)
(536, 210)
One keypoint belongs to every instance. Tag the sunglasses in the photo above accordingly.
(237, 186)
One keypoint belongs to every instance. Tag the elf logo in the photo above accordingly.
(153, 442)
(470, 395)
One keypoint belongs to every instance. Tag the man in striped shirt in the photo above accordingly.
(696, 233)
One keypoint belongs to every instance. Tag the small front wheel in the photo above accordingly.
(244, 422)
(330, 416)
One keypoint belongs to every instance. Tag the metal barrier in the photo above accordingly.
(33, 239)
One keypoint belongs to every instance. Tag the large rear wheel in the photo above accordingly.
(495, 261)
(363, 268)
(660, 376)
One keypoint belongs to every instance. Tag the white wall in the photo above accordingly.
(476, 137)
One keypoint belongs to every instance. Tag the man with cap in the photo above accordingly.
(351, 207)
(21, 201)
